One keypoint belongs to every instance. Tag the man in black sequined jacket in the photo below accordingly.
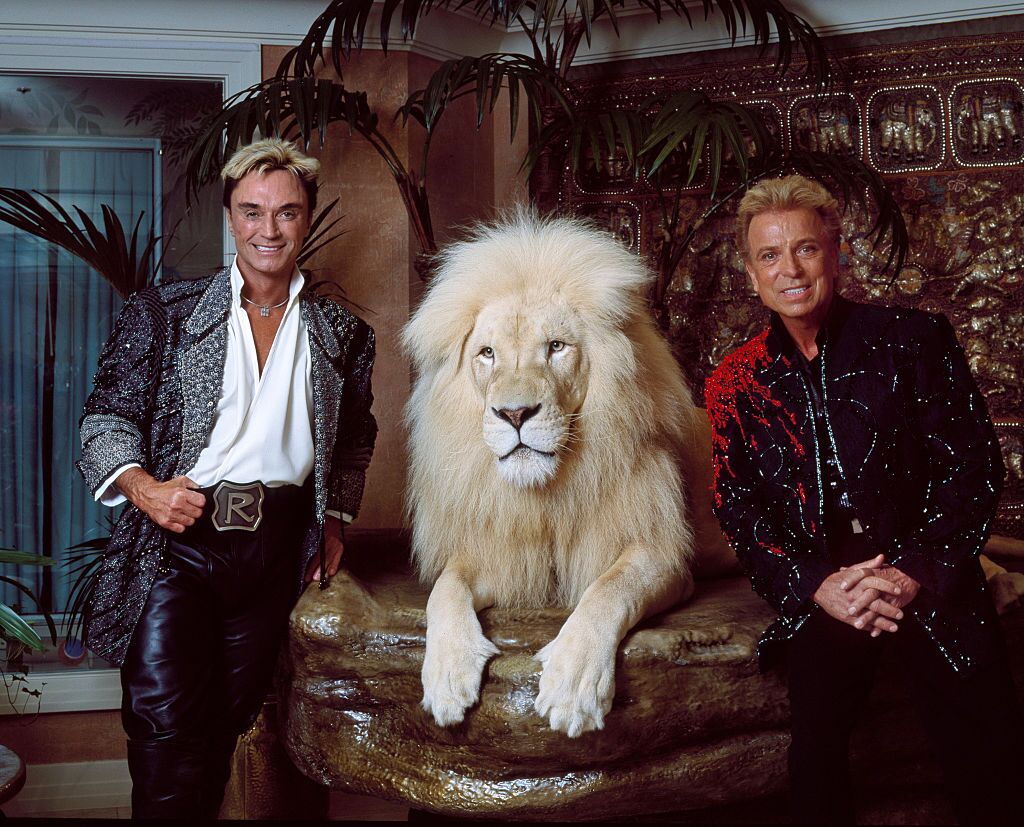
(856, 474)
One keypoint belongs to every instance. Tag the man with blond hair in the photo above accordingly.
(233, 414)
(856, 476)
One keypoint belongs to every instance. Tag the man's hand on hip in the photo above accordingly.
(173, 505)
(333, 549)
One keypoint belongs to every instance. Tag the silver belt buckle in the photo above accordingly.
(237, 507)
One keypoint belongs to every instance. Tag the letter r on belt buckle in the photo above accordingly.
(237, 507)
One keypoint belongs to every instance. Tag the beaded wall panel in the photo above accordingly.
(944, 122)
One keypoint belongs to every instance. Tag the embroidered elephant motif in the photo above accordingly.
(907, 130)
(824, 129)
(986, 122)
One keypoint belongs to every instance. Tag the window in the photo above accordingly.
(85, 141)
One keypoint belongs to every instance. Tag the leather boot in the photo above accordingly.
(167, 779)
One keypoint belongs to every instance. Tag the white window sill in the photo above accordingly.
(63, 690)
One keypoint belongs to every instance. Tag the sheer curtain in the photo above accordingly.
(55, 315)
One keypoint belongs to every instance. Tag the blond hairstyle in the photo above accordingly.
(265, 156)
(790, 193)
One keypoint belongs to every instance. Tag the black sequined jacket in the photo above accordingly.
(916, 449)
(155, 396)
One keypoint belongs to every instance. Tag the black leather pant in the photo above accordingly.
(202, 656)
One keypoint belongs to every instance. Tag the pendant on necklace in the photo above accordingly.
(264, 308)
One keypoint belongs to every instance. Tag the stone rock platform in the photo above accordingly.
(696, 730)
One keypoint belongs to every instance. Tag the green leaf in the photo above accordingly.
(25, 590)
(22, 558)
(106, 251)
(14, 626)
(319, 229)
(484, 78)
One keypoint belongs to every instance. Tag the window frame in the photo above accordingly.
(236, 65)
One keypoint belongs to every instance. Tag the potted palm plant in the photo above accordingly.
(683, 130)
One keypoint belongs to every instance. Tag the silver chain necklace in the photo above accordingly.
(264, 308)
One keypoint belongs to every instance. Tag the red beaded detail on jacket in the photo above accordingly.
(734, 378)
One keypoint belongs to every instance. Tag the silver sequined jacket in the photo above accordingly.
(916, 450)
(155, 396)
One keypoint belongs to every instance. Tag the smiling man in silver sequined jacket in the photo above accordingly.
(233, 412)
(856, 475)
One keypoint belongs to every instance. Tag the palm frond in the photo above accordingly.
(83, 564)
(12, 624)
(342, 26)
(23, 558)
(668, 137)
(761, 19)
(10, 581)
(318, 236)
(690, 120)
(126, 263)
(590, 134)
(293, 108)
(485, 77)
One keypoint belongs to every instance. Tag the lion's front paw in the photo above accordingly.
(577, 683)
(452, 671)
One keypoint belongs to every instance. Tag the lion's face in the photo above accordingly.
(529, 366)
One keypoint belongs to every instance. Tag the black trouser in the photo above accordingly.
(202, 656)
(973, 721)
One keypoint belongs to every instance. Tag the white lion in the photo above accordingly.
(548, 423)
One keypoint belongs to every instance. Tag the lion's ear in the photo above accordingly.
(436, 334)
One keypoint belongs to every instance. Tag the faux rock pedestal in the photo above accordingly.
(694, 727)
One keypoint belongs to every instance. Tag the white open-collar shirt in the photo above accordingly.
(263, 426)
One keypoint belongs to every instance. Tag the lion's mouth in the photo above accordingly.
(523, 449)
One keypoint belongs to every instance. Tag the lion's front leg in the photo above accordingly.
(457, 650)
(577, 682)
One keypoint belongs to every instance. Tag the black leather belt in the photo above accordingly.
(248, 506)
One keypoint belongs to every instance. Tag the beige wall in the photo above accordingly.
(470, 173)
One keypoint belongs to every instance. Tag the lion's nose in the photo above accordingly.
(516, 416)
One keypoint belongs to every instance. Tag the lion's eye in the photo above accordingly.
(487, 352)
(554, 346)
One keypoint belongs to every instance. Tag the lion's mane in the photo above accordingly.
(618, 481)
